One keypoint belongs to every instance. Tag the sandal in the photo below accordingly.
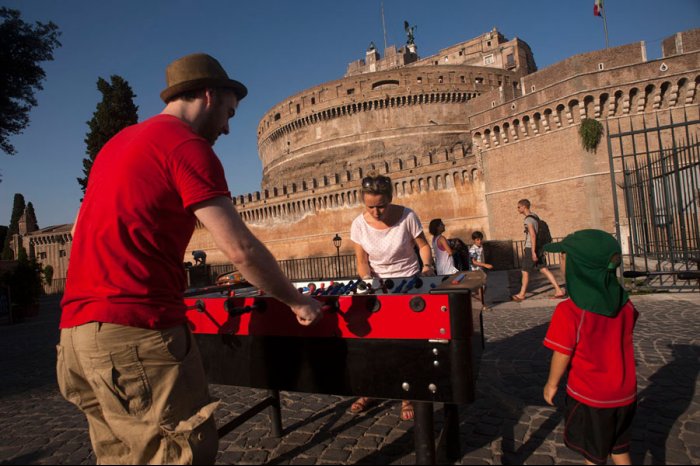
(563, 296)
(517, 298)
(360, 405)
(407, 412)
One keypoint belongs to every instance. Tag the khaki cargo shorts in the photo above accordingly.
(144, 393)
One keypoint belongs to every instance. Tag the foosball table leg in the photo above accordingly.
(451, 433)
(275, 413)
(424, 432)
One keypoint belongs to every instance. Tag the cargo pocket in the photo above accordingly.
(194, 440)
(122, 383)
(63, 376)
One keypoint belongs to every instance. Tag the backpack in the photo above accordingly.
(544, 236)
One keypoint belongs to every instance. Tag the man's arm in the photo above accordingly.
(533, 240)
(252, 258)
(560, 362)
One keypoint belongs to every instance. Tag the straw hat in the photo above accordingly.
(198, 71)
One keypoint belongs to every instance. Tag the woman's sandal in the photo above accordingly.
(407, 412)
(360, 405)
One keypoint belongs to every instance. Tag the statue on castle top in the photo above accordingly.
(409, 32)
(371, 47)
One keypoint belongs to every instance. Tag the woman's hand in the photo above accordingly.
(428, 271)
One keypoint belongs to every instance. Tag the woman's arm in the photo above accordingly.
(362, 259)
(442, 242)
(426, 254)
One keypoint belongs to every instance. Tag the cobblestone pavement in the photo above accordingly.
(508, 424)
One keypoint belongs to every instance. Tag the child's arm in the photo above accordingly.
(560, 362)
(482, 264)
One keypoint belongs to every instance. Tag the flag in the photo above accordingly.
(598, 8)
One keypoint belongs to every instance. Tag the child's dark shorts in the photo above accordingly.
(597, 432)
(528, 265)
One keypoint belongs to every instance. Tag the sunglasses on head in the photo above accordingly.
(376, 182)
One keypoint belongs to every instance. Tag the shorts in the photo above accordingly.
(144, 393)
(597, 432)
(528, 265)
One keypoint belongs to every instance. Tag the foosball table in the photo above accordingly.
(415, 339)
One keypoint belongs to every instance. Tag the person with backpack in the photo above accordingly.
(536, 236)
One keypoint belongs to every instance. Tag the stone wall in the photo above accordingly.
(487, 143)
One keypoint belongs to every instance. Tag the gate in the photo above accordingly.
(658, 169)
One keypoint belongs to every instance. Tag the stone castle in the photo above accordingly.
(464, 134)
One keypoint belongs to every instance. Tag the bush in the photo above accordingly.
(590, 131)
(25, 288)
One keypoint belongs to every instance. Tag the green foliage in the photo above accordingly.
(3, 234)
(23, 47)
(48, 275)
(25, 287)
(32, 224)
(590, 131)
(17, 211)
(115, 112)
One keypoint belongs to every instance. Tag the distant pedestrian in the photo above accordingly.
(591, 336)
(533, 257)
(444, 263)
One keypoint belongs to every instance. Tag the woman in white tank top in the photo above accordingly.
(385, 235)
(444, 263)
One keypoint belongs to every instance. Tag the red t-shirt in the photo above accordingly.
(135, 223)
(602, 370)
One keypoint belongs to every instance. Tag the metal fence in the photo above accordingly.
(660, 178)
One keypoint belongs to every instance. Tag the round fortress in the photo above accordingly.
(464, 134)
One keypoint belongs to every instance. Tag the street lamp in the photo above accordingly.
(337, 240)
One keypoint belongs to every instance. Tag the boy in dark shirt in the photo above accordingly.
(591, 335)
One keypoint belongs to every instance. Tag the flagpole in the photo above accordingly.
(605, 25)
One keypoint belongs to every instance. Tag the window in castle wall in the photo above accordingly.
(440, 79)
(419, 80)
(41, 255)
(488, 59)
(479, 80)
(351, 91)
(277, 116)
(313, 100)
(298, 108)
(462, 79)
(510, 61)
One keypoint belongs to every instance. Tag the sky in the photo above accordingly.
(277, 48)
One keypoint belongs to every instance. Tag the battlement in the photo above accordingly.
(410, 174)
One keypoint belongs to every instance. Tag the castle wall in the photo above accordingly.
(495, 139)
(535, 151)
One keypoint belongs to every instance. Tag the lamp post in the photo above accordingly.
(337, 240)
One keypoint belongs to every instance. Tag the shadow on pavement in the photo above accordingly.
(669, 394)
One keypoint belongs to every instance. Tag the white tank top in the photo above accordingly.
(444, 264)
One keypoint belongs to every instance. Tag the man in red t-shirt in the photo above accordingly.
(126, 357)
(591, 335)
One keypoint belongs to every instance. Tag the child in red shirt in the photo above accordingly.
(591, 335)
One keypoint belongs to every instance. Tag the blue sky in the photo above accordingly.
(277, 48)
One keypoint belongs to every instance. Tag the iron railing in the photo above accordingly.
(660, 178)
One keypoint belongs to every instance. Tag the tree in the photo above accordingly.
(115, 112)
(23, 47)
(17, 211)
(32, 224)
